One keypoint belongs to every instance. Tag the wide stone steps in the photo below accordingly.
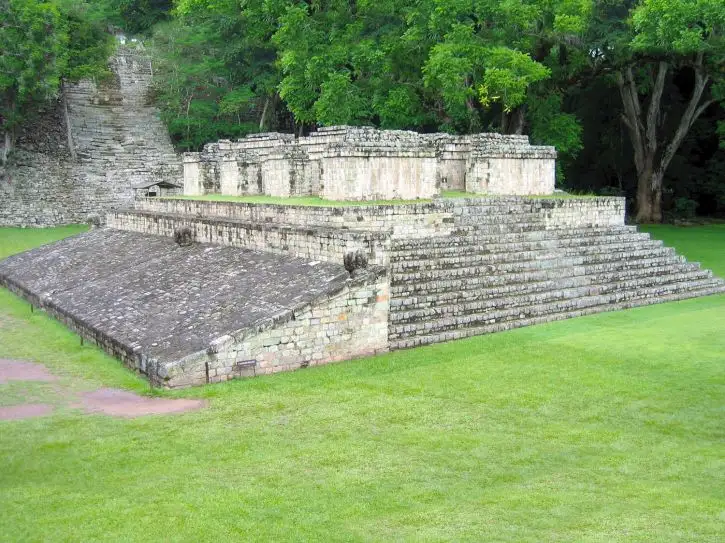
(460, 308)
(482, 258)
(434, 253)
(468, 326)
(594, 263)
(455, 297)
(465, 241)
(497, 217)
(519, 245)
(473, 284)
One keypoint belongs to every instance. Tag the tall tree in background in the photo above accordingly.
(43, 44)
(33, 59)
(668, 35)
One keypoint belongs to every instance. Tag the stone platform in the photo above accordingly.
(263, 288)
(202, 313)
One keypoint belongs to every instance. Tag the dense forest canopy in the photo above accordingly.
(629, 92)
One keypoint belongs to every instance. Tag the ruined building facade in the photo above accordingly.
(363, 163)
(85, 154)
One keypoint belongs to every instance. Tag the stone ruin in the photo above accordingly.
(363, 163)
(190, 291)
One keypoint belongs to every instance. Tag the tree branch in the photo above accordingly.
(654, 107)
(688, 117)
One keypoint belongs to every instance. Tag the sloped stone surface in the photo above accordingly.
(165, 301)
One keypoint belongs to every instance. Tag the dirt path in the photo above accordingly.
(107, 401)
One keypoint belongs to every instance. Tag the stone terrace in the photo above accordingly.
(153, 303)
(263, 287)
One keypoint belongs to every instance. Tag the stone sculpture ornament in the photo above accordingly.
(183, 236)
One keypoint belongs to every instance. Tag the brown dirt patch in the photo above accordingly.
(120, 403)
(15, 370)
(25, 411)
(109, 401)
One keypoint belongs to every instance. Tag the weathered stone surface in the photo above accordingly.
(117, 141)
(363, 163)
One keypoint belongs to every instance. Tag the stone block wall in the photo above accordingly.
(313, 243)
(363, 163)
(363, 172)
(409, 220)
(350, 324)
(581, 212)
(509, 165)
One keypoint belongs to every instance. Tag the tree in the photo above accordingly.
(668, 35)
(34, 45)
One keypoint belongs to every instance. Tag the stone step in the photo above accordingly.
(518, 298)
(617, 260)
(558, 311)
(506, 237)
(457, 297)
(426, 262)
(425, 251)
(485, 218)
(473, 284)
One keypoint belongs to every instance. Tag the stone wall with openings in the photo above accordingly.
(363, 163)
(350, 324)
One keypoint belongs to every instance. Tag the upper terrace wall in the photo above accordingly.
(437, 217)
(363, 163)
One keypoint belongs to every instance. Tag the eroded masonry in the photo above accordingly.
(362, 163)
(255, 288)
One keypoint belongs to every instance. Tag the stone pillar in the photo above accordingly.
(192, 175)
(500, 164)
(452, 157)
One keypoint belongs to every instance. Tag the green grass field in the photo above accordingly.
(603, 428)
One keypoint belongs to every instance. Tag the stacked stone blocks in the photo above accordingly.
(363, 163)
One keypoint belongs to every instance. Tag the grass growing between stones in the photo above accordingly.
(603, 428)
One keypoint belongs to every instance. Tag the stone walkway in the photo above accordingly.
(107, 401)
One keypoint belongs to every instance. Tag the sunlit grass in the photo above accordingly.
(602, 428)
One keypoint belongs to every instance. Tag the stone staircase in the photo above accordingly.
(117, 134)
(504, 267)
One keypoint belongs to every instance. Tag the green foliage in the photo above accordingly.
(42, 44)
(34, 57)
(685, 208)
(508, 76)
(138, 16)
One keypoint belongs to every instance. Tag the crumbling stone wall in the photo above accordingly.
(318, 243)
(116, 141)
(350, 324)
(363, 163)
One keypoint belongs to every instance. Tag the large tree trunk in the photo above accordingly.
(513, 121)
(263, 118)
(643, 131)
(649, 197)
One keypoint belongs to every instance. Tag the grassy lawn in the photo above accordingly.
(603, 428)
